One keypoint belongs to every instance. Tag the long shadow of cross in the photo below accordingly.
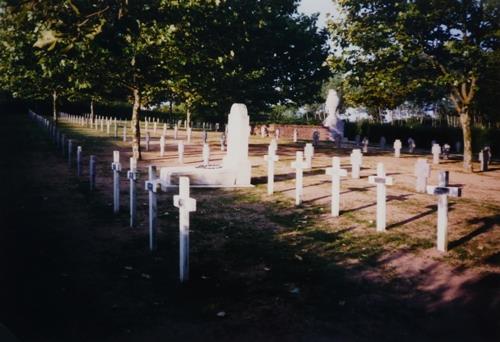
(389, 199)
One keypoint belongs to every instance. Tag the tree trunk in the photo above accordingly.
(136, 142)
(54, 106)
(92, 115)
(466, 130)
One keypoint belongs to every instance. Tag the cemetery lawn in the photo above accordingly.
(260, 268)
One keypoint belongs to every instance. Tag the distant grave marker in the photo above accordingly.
(381, 180)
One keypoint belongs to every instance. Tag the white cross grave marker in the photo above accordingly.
(443, 191)
(152, 187)
(186, 205)
(271, 158)
(295, 135)
(206, 154)
(116, 167)
(175, 132)
(422, 172)
(92, 172)
(381, 180)
(356, 161)
(180, 151)
(124, 133)
(365, 145)
(309, 153)
(79, 161)
(299, 165)
(336, 172)
(70, 152)
(132, 176)
(189, 133)
(436, 151)
(162, 146)
(148, 139)
(397, 148)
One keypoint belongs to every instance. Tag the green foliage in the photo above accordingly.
(396, 50)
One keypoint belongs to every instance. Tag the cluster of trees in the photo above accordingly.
(201, 53)
(423, 51)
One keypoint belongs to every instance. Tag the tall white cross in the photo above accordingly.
(443, 191)
(152, 186)
(299, 165)
(381, 180)
(186, 205)
(78, 161)
(397, 148)
(271, 158)
(274, 145)
(132, 175)
(436, 152)
(206, 154)
(309, 153)
(180, 151)
(422, 172)
(356, 161)
(70, 152)
(162, 146)
(336, 172)
(116, 167)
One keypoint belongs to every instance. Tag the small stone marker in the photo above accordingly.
(116, 167)
(124, 133)
(175, 132)
(204, 136)
(422, 172)
(263, 131)
(108, 127)
(271, 158)
(162, 146)
(381, 180)
(132, 176)
(365, 145)
(155, 126)
(484, 158)
(443, 191)
(186, 205)
(189, 132)
(309, 153)
(315, 138)
(397, 148)
(206, 154)
(382, 142)
(295, 135)
(79, 161)
(436, 152)
(335, 172)
(411, 145)
(274, 145)
(92, 172)
(446, 151)
(356, 162)
(115, 128)
(152, 187)
(299, 165)
(277, 133)
(180, 151)
(102, 125)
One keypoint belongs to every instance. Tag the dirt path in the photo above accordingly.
(260, 268)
